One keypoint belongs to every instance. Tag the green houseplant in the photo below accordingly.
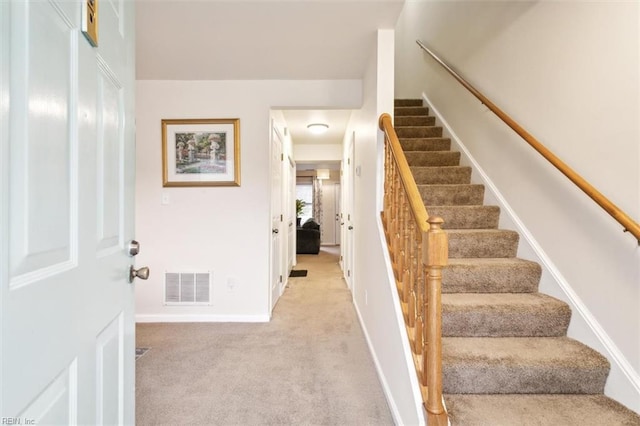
(299, 206)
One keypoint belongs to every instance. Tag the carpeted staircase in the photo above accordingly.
(506, 357)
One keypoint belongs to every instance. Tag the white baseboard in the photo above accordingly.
(201, 318)
(612, 352)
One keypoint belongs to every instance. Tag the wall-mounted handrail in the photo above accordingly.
(619, 215)
(418, 248)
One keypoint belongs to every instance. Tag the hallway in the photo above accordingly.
(309, 366)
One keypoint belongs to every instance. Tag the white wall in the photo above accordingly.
(569, 72)
(374, 292)
(226, 229)
(315, 153)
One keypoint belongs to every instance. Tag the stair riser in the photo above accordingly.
(523, 380)
(488, 323)
(407, 102)
(432, 158)
(467, 217)
(536, 409)
(517, 278)
(420, 120)
(419, 132)
(413, 110)
(441, 175)
(485, 245)
(425, 144)
(506, 338)
(452, 195)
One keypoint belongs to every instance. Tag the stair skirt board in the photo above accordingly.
(388, 393)
(583, 324)
(407, 355)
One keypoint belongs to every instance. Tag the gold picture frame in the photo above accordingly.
(201, 152)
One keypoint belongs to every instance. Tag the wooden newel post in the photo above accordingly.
(435, 257)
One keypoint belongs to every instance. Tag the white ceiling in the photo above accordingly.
(297, 121)
(259, 39)
(262, 40)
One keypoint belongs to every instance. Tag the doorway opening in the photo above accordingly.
(318, 187)
(318, 195)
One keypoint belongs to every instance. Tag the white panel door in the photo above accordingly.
(330, 215)
(348, 212)
(289, 215)
(291, 251)
(276, 218)
(338, 206)
(67, 179)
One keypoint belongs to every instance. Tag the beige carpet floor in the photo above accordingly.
(309, 366)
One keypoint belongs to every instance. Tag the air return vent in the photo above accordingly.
(187, 288)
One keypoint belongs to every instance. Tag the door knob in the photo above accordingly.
(350, 228)
(142, 273)
(275, 230)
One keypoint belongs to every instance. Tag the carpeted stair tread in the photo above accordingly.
(432, 158)
(521, 365)
(506, 360)
(419, 132)
(425, 144)
(482, 243)
(503, 315)
(410, 110)
(491, 275)
(414, 120)
(407, 102)
(452, 194)
(538, 410)
(442, 175)
(467, 217)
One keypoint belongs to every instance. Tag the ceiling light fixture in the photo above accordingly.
(323, 174)
(318, 128)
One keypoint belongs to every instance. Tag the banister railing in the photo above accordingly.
(628, 224)
(418, 249)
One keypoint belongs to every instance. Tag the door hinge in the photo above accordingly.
(281, 218)
(349, 272)
(348, 160)
(280, 278)
(281, 157)
(340, 258)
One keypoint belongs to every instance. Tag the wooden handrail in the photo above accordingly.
(418, 249)
(628, 224)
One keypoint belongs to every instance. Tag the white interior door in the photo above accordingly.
(287, 222)
(290, 206)
(67, 181)
(328, 214)
(348, 213)
(338, 208)
(331, 213)
(276, 217)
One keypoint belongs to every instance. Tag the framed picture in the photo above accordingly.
(201, 152)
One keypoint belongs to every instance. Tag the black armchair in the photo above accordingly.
(308, 238)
